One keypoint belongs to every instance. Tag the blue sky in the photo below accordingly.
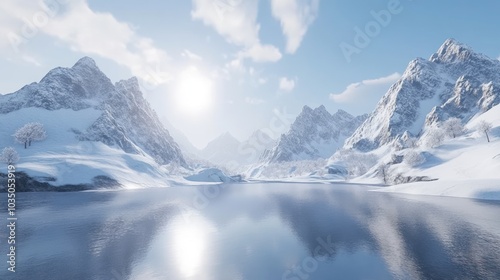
(211, 66)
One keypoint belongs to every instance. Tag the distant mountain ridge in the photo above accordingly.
(226, 150)
(454, 82)
(314, 134)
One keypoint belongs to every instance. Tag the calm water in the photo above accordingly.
(260, 231)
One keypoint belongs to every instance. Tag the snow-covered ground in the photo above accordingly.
(467, 166)
(69, 161)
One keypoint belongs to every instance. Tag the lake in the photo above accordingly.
(253, 231)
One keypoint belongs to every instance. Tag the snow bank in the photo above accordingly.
(210, 175)
(478, 189)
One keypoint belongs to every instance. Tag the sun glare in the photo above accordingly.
(191, 242)
(194, 91)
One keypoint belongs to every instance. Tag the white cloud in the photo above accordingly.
(236, 65)
(236, 21)
(31, 59)
(295, 17)
(286, 84)
(254, 101)
(262, 53)
(190, 55)
(83, 30)
(366, 91)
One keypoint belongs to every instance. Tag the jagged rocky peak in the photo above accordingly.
(306, 110)
(452, 51)
(131, 85)
(85, 62)
(314, 134)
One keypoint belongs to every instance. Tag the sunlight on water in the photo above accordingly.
(190, 244)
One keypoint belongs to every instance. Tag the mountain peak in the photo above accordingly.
(321, 108)
(85, 62)
(227, 137)
(451, 51)
(306, 109)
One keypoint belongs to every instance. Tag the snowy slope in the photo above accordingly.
(467, 166)
(61, 159)
(314, 134)
(454, 82)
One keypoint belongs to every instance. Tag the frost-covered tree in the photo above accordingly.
(9, 155)
(30, 132)
(484, 127)
(434, 137)
(453, 127)
(383, 172)
(356, 163)
(294, 168)
(413, 158)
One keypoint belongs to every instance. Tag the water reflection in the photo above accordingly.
(273, 231)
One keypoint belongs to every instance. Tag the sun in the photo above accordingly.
(194, 94)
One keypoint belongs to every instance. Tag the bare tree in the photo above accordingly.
(383, 172)
(453, 127)
(30, 132)
(485, 127)
(356, 163)
(9, 155)
(413, 158)
(434, 137)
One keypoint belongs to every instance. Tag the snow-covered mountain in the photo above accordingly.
(126, 119)
(222, 149)
(453, 82)
(229, 152)
(86, 118)
(314, 134)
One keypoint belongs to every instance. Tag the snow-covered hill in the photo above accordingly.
(466, 166)
(94, 129)
(314, 134)
(453, 82)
